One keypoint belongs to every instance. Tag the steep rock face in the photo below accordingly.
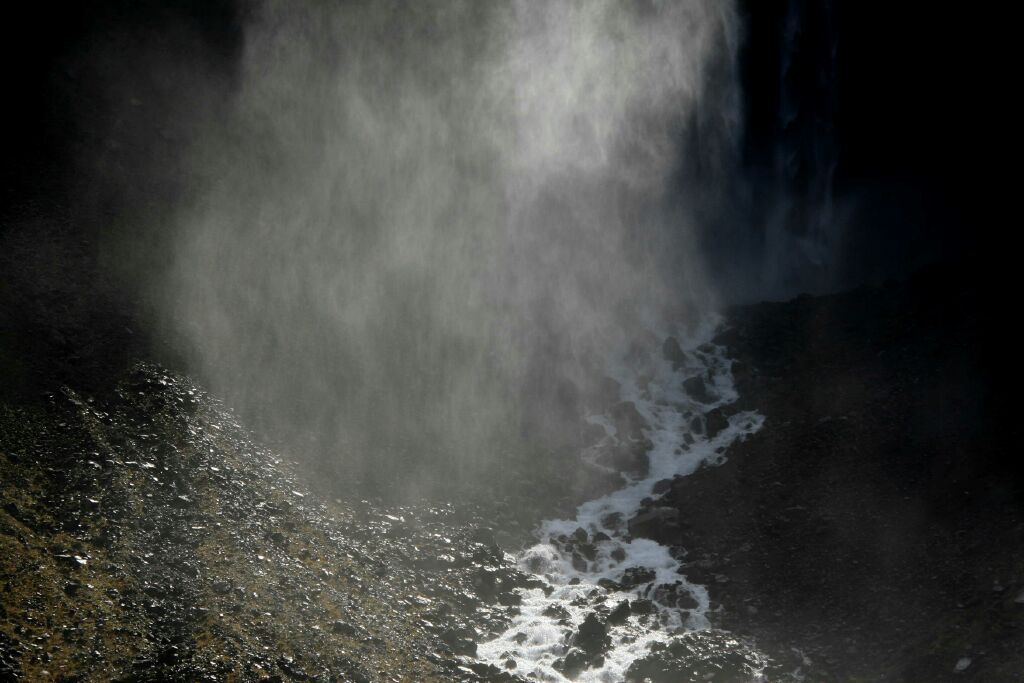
(875, 521)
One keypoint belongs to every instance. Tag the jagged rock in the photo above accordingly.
(699, 656)
(715, 421)
(661, 486)
(673, 353)
(642, 606)
(660, 523)
(343, 628)
(592, 636)
(620, 614)
(578, 563)
(574, 662)
(554, 612)
(636, 576)
(460, 640)
(587, 550)
(674, 595)
(696, 388)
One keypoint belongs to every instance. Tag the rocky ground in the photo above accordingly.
(148, 538)
(875, 523)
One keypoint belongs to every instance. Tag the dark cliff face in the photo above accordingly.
(877, 519)
(871, 141)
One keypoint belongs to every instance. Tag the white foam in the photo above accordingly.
(656, 389)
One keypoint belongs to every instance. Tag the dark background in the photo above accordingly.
(916, 106)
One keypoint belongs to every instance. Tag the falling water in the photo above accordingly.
(423, 226)
(618, 567)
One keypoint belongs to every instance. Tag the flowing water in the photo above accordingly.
(641, 570)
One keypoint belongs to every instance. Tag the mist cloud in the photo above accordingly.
(420, 227)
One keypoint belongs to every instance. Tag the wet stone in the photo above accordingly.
(636, 576)
(673, 353)
(674, 595)
(696, 389)
(578, 563)
(592, 636)
(620, 613)
(460, 641)
(554, 612)
(573, 664)
(699, 656)
(657, 523)
(642, 606)
(343, 628)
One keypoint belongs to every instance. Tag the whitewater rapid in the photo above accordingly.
(675, 425)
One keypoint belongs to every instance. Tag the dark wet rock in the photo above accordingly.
(642, 606)
(612, 520)
(715, 421)
(620, 614)
(697, 389)
(697, 425)
(674, 595)
(12, 509)
(636, 576)
(343, 628)
(460, 640)
(578, 563)
(673, 353)
(699, 656)
(555, 611)
(573, 663)
(488, 673)
(659, 523)
(617, 554)
(609, 585)
(592, 636)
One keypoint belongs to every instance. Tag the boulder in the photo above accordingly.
(660, 523)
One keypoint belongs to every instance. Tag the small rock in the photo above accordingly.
(636, 576)
(574, 662)
(696, 389)
(343, 628)
(620, 614)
